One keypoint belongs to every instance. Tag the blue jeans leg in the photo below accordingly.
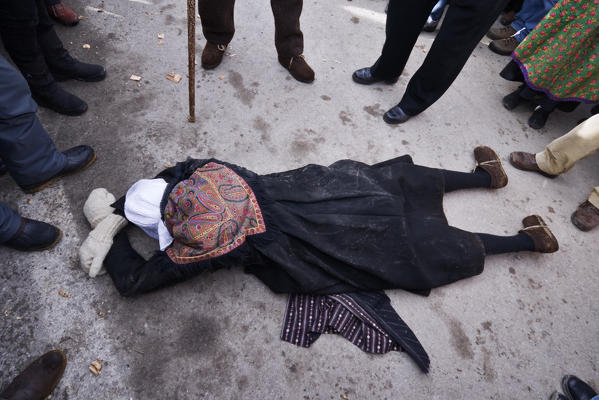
(529, 16)
(10, 222)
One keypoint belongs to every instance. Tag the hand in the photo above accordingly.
(94, 249)
(97, 206)
(92, 253)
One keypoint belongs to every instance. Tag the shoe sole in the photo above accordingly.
(365, 82)
(63, 78)
(52, 180)
(393, 121)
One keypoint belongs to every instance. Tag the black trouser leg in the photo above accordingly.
(405, 19)
(506, 244)
(464, 180)
(466, 22)
(20, 24)
(217, 19)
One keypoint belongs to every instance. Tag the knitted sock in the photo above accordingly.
(465, 180)
(506, 244)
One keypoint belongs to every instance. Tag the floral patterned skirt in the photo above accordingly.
(560, 56)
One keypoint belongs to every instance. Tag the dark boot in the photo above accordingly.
(54, 97)
(298, 68)
(34, 236)
(212, 55)
(512, 100)
(39, 379)
(78, 159)
(538, 118)
(539, 232)
(512, 72)
(62, 65)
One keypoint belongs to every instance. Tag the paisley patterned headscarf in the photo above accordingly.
(210, 214)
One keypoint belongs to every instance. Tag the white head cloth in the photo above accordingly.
(142, 207)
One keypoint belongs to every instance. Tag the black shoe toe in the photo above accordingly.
(364, 76)
(80, 71)
(577, 389)
(78, 158)
(34, 235)
(395, 116)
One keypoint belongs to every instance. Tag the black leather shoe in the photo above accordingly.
(65, 67)
(39, 379)
(54, 97)
(395, 115)
(576, 389)
(364, 76)
(430, 26)
(34, 235)
(78, 159)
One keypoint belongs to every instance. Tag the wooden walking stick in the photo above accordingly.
(191, 57)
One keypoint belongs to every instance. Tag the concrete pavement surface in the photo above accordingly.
(510, 333)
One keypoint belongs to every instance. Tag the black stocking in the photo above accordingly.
(464, 180)
(506, 244)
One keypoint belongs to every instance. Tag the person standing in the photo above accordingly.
(29, 38)
(218, 27)
(465, 24)
(559, 157)
(30, 157)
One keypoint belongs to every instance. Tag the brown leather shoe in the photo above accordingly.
(298, 68)
(63, 14)
(527, 162)
(213, 55)
(586, 216)
(488, 160)
(501, 32)
(504, 47)
(39, 379)
(539, 232)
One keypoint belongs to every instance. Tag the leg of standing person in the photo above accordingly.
(435, 16)
(405, 19)
(28, 36)
(218, 26)
(465, 24)
(289, 39)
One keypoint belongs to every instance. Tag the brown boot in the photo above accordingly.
(63, 14)
(298, 68)
(488, 160)
(39, 379)
(544, 241)
(527, 162)
(586, 216)
(504, 47)
(501, 32)
(507, 18)
(212, 55)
